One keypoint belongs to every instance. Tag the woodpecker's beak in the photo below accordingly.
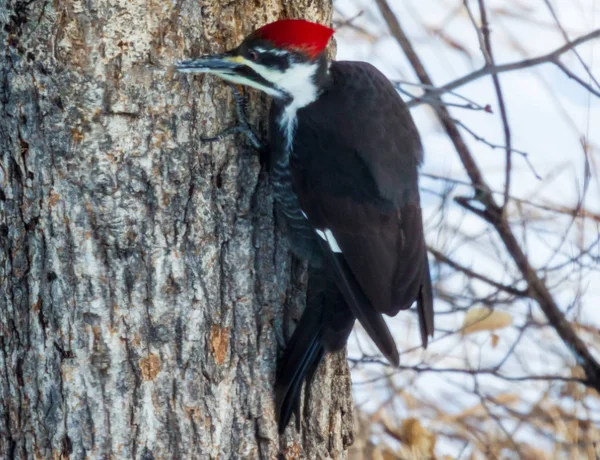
(220, 64)
(232, 67)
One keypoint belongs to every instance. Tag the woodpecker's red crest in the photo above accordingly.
(296, 35)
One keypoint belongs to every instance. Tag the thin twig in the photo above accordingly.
(469, 103)
(457, 370)
(566, 37)
(489, 57)
(552, 57)
(348, 21)
(472, 274)
(479, 138)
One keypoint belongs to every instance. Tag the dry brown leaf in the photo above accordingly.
(495, 339)
(485, 319)
(410, 401)
(531, 453)
(417, 438)
(577, 372)
(577, 390)
(589, 391)
(383, 453)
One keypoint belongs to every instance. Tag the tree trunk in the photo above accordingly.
(145, 293)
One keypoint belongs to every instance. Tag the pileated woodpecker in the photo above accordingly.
(344, 158)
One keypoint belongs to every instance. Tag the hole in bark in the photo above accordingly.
(51, 276)
(2, 195)
(219, 180)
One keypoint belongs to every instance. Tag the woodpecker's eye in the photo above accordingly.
(253, 55)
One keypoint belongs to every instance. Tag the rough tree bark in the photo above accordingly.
(144, 291)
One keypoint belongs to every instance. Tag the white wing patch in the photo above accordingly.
(327, 236)
(330, 239)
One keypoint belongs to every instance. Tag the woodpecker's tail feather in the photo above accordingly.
(304, 352)
(361, 307)
(324, 327)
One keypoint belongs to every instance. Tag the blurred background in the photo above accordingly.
(498, 381)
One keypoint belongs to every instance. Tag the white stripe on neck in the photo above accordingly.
(297, 83)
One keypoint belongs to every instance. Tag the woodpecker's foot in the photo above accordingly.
(242, 125)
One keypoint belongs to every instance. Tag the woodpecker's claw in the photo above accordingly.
(233, 130)
(242, 126)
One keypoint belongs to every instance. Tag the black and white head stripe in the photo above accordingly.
(271, 58)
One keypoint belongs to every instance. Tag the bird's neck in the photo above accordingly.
(303, 83)
(311, 79)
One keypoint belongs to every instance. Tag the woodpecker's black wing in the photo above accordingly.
(324, 326)
(354, 167)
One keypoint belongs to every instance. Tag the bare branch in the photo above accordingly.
(584, 214)
(571, 75)
(489, 210)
